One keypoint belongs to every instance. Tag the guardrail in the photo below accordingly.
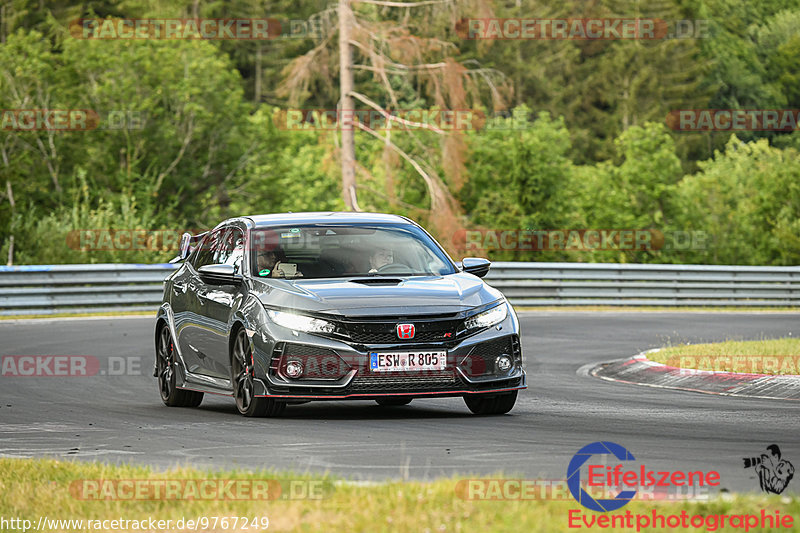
(47, 289)
(552, 284)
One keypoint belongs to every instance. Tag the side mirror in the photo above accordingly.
(219, 274)
(476, 265)
(188, 244)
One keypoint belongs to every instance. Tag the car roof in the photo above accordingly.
(326, 217)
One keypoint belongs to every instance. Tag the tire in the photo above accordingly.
(171, 395)
(243, 387)
(393, 401)
(496, 404)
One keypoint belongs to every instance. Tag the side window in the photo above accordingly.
(232, 249)
(207, 249)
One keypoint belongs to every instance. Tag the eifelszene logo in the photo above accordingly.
(574, 476)
(608, 477)
(774, 473)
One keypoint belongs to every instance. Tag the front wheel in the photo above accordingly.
(243, 385)
(171, 395)
(494, 404)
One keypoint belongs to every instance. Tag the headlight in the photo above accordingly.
(493, 316)
(300, 322)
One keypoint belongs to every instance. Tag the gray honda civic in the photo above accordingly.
(284, 309)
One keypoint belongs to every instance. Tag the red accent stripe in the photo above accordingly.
(448, 393)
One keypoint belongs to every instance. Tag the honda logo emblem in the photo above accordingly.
(405, 331)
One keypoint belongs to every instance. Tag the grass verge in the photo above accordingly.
(766, 356)
(30, 489)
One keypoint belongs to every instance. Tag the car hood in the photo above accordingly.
(395, 296)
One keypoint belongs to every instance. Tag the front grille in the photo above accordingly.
(445, 380)
(372, 332)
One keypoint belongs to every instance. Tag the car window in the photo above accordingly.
(341, 250)
(207, 249)
(231, 251)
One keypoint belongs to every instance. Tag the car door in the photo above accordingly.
(179, 300)
(193, 331)
(218, 299)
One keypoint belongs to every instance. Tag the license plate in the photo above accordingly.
(407, 361)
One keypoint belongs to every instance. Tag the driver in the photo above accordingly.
(380, 258)
(269, 265)
(266, 263)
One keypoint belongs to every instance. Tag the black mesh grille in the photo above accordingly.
(494, 348)
(444, 381)
(481, 359)
(305, 349)
(386, 332)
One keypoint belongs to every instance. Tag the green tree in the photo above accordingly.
(635, 194)
(747, 199)
(520, 178)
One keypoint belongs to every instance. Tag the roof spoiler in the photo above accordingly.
(188, 244)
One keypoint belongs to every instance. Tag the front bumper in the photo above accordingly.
(470, 368)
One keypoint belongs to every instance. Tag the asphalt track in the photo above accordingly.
(120, 418)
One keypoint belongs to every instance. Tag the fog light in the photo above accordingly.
(503, 363)
(294, 369)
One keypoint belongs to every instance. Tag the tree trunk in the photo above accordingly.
(13, 204)
(347, 107)
(257, 90)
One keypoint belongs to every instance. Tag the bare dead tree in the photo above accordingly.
(348, 149)
(389, 48)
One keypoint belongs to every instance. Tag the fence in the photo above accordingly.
(47, 289)
(553, 284)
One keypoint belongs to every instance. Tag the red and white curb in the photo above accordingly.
(639, 370)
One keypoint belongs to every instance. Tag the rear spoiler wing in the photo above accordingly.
(189, 243)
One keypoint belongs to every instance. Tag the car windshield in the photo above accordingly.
(331, 251)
